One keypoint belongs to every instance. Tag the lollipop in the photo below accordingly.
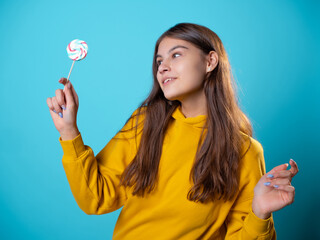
(77, 50)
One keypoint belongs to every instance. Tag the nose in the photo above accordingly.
(164, 66)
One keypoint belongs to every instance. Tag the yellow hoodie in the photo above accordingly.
(165, 213)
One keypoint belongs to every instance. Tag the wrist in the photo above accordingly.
(262, 215)
(70, 134)
(259, 212)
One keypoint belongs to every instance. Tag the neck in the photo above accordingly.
(195, 106)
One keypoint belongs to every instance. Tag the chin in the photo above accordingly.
(171, 97)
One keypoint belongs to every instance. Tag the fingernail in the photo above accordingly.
(270, 176)
(54, 111)
(63, 107)
(69, 85)
(267, 183)
(60, 114)
(276, 186)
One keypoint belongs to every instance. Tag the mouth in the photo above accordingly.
(168, 81)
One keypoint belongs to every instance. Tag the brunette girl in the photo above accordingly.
(185, 165)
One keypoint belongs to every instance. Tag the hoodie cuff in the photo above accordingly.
(73, 148)
(257, 226)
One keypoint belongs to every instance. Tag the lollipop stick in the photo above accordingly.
(70, 70)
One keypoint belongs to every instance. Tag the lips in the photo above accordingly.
(168, 80)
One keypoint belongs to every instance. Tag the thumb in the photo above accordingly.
(67, 91)
(69, 94)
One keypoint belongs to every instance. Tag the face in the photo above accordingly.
(185, 67)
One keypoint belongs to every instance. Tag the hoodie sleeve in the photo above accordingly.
(94, 180)
(242, 223)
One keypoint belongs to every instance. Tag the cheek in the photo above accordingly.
(195, 74)
(158, 77)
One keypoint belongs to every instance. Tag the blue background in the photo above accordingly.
(273, 47)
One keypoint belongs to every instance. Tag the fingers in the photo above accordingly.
(283, 184)
(286, 188)
(54, 106)
(72, 93)
(63, 80)
(280, 171)
(75, 95)
(69, 96)
(60, 98)
(280, 174)
(50, 104)
(279, 168)
(281, 179)
(294, 167)
(57, 107)
(66, 98)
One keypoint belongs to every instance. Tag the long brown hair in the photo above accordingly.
(215, 169)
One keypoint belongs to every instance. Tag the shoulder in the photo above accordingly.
(251, 167)
(140, 111)
(137, 117)
(250, 145)
(134, 123)
(252, 159)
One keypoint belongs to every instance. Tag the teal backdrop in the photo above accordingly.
(273, 47)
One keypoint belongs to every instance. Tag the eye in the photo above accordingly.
(176, 54)
(160, 61)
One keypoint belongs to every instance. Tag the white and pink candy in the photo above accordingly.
(77, 49)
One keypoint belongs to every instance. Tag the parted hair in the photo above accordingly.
(214, 174)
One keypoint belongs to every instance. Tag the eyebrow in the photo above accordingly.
(178, 46)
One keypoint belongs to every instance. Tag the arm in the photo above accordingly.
(241, 222)
(94, 181)
(95, 186)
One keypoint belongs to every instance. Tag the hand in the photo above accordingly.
(63, 109)
(274, 190)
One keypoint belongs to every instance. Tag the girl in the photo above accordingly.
(185, 165)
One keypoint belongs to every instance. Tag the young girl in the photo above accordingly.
(185, 165)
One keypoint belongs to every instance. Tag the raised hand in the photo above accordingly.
(63, 109)
(274, 190)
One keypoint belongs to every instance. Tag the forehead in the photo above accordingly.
(168, 43)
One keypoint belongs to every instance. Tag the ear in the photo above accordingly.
(212, 61)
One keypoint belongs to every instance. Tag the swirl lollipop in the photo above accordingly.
(77, 50)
